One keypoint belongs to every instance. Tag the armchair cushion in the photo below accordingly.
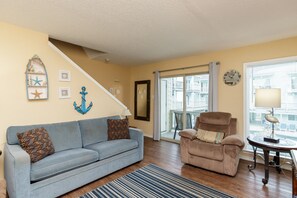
(216, 118)
(210, 136)
(233, 140)
(216, 121)
(206, 150)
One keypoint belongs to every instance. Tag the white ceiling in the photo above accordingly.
(135, 32)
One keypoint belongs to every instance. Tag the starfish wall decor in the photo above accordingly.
(36, 94)
(36, 79)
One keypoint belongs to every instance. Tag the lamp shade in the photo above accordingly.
(268, 98)
(126, 112)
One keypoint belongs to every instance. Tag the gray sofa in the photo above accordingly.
(82, 155)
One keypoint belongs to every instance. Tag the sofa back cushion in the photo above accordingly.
(94, 130)
(64, 135)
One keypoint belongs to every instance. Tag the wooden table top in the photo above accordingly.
(284, 145)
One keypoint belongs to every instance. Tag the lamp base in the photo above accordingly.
(271, 139)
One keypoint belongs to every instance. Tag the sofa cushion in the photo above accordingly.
(62, 161)
(110, 148)
(210, 136)
(206, 150)
(37, 143)
(64, 135)
(94, 130)
(118, 129)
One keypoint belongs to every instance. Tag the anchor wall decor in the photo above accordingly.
(82, 108)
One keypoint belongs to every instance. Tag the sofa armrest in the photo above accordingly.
(233, 140)
(137, 134)
(17, 166)
(188, 133)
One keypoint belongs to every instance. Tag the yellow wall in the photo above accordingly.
(230, 97)
(107, 74)
(17, 46)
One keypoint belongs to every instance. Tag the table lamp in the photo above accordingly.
(126, 113)
(269, 98)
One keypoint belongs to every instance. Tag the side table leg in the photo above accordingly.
(266, 160)
(253, 166)
(277, 163)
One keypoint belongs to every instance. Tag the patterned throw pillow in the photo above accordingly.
(118, 129)
(210, 136)
(37, 143)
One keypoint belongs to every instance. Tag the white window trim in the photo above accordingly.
(245, 86)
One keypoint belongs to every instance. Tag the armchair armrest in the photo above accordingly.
(137, 134)
(233, 140)
(17, 166)
(188, 133)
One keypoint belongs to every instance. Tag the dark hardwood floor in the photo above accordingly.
(167, 156)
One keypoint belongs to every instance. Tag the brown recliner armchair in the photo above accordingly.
(219, 157)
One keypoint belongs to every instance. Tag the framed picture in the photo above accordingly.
(64, 92)
(64, 75)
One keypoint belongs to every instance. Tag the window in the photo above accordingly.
(294, 82)
(280, 73)
(292, 117)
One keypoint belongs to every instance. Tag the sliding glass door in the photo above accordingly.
(171, 101)
(183, 98)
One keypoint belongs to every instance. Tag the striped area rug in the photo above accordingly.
(153, 181)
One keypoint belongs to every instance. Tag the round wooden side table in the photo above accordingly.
(284, 146)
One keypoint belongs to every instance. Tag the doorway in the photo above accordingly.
(183, 98)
